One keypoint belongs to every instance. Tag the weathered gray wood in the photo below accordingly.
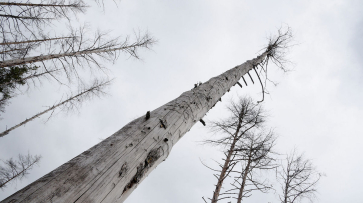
(112, 169)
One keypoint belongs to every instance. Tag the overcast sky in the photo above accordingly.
(317, 107)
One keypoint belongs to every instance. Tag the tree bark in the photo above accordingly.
(112, 169)
(240, 194)
(222, 176)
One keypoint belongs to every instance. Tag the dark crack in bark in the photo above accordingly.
(151, 158)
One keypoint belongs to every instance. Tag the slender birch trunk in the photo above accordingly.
(76, 98)
(24, 17)
(15, 62)
(12, 170)
(287, 183)
(31, 41)
(112, 169)
(223, 174)
(10, 50)
(240, 194)
(286, 188)
(38, 5)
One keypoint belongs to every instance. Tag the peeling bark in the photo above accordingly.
(151, 158)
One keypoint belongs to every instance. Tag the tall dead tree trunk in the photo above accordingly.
(112, 169)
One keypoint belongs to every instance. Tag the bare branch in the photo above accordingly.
(13, 170)
(22, 18)
(72, 102)
(244, 145)
(298, 179)
(276, 52)
(77, 50)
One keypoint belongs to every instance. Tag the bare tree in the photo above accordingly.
(247, 145)
(112, 169)
(13, 170)
(254, 153)
(72, 102)
(17, 19)
(77, 52)
(298, 179)
(244, 117)
(77, 48)
(22, 25)
(71, 53)
(28, 55)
